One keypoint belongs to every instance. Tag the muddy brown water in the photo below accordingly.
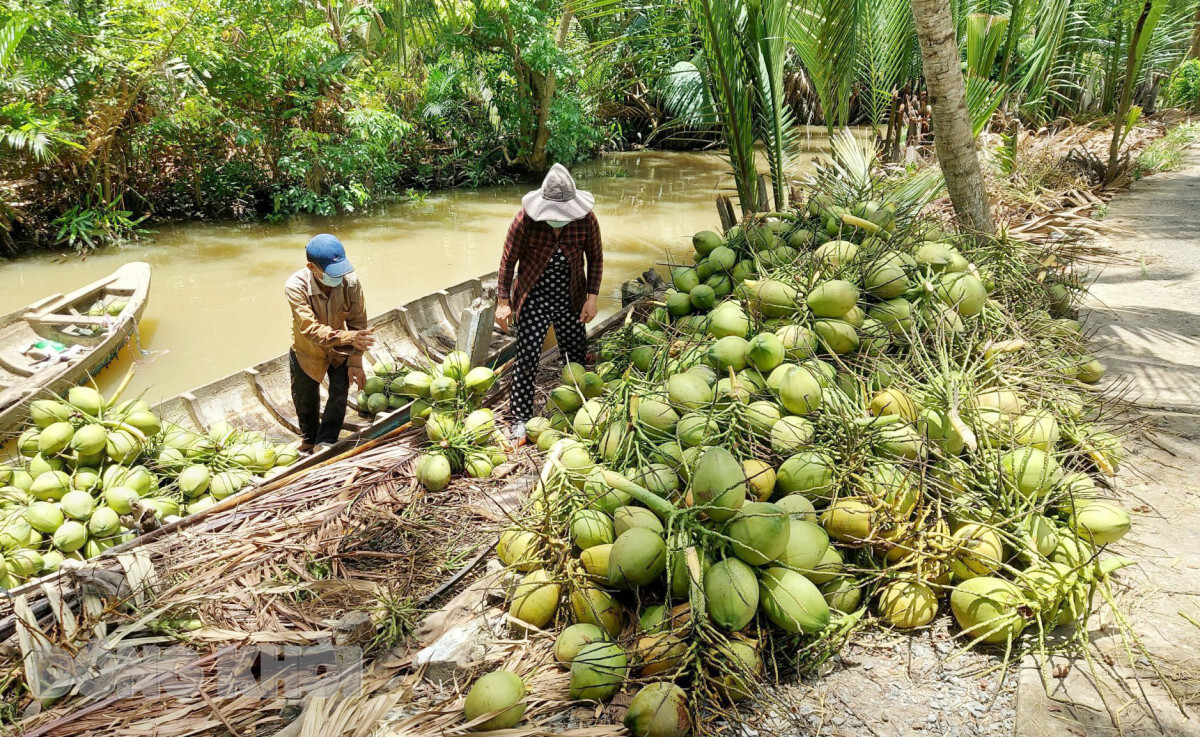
(217, 305)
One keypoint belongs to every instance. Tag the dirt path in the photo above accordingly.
(1146, 318)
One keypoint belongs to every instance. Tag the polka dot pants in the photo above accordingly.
(548, 302)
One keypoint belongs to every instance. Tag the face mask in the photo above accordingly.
(557, 223)
(329, 281)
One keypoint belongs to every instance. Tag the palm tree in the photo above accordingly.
(952, 134)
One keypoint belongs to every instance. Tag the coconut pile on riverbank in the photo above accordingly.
(842, 416)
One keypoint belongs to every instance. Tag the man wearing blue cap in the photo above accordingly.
(329, 337)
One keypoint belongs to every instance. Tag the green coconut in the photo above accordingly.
(837, 336)
(894, 314)
(519, 549)
(798, 341)
(41, 464)
(706, 241)
(689, 390)
(835, 254)
(762, 416)
(656, 416)
(679, 304)
(759, 532)
(1029, 471)
(628, 517)
(86, 399)
(806, 544)
(933, 255)
(790, 435)
(703, 297)
(695, 429)
(659, 710)
(1089, 370)
(479, 380)
(842, 594)
(122, 447)
(499, 691)
(638, 557)
(731, 593)
(597, 606)
(535, 600)
(965, 293)
(799, 391)
(727, 320)
(104, 522)
(194, 480)
(792, 602)
(89, 440)
(887, 280)
(433, 471)
(55, 438)
(774, 298)
(718, 484)
(988, 609)
(70, 536)
(591, 527)
(46, 412)
(764, 352)
(598, 671)
(906, 603)
(832, 298)
(1100, 522)
(573, 639)
(809, 472)
(44, 516)
(849, 520)
(685, 278)
(798, 507)
(728, 353)
(658, 478)
(77, 504)
(50, 485)
(145, 421)
(978, 551)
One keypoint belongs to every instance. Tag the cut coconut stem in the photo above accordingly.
(655, 503)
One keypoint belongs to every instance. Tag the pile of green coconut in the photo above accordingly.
(446, 399)
(93, 473)
(840, 416)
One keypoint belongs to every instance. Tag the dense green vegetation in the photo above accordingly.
(112, 111)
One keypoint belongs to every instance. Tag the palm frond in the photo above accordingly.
(984, 36)
(10, 37)
(888, 42)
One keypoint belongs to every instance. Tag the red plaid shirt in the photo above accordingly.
(529, 246)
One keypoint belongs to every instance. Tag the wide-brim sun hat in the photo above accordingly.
(558, 198)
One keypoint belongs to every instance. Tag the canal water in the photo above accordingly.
(217, 305)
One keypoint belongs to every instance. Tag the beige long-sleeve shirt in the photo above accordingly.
(321, 322)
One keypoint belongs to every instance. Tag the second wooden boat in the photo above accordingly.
(92, 324)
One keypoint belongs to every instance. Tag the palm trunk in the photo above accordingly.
(1194, 51)
(1131, 64)
(952, 134)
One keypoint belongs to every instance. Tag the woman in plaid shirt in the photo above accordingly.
(549, 274)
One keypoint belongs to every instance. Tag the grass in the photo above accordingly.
(1167, 152)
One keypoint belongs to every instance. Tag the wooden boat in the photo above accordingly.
(81, 319)
(259, 397)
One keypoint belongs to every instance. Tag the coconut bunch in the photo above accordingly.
(92, 473)
(868, 419)
(392, 385)
(446, 399)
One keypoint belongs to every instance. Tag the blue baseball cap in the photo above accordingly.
(327, 252)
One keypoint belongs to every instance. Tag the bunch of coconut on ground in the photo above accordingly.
(841, 416)
(93, 473)
(447, 401)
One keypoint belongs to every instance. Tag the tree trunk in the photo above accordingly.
(537, 157)
(1131, 64)
(1194, 51)
(952, 134)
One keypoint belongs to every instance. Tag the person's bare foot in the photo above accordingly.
(305, 448)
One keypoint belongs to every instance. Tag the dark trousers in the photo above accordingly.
(306, 395)
(537, 314)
